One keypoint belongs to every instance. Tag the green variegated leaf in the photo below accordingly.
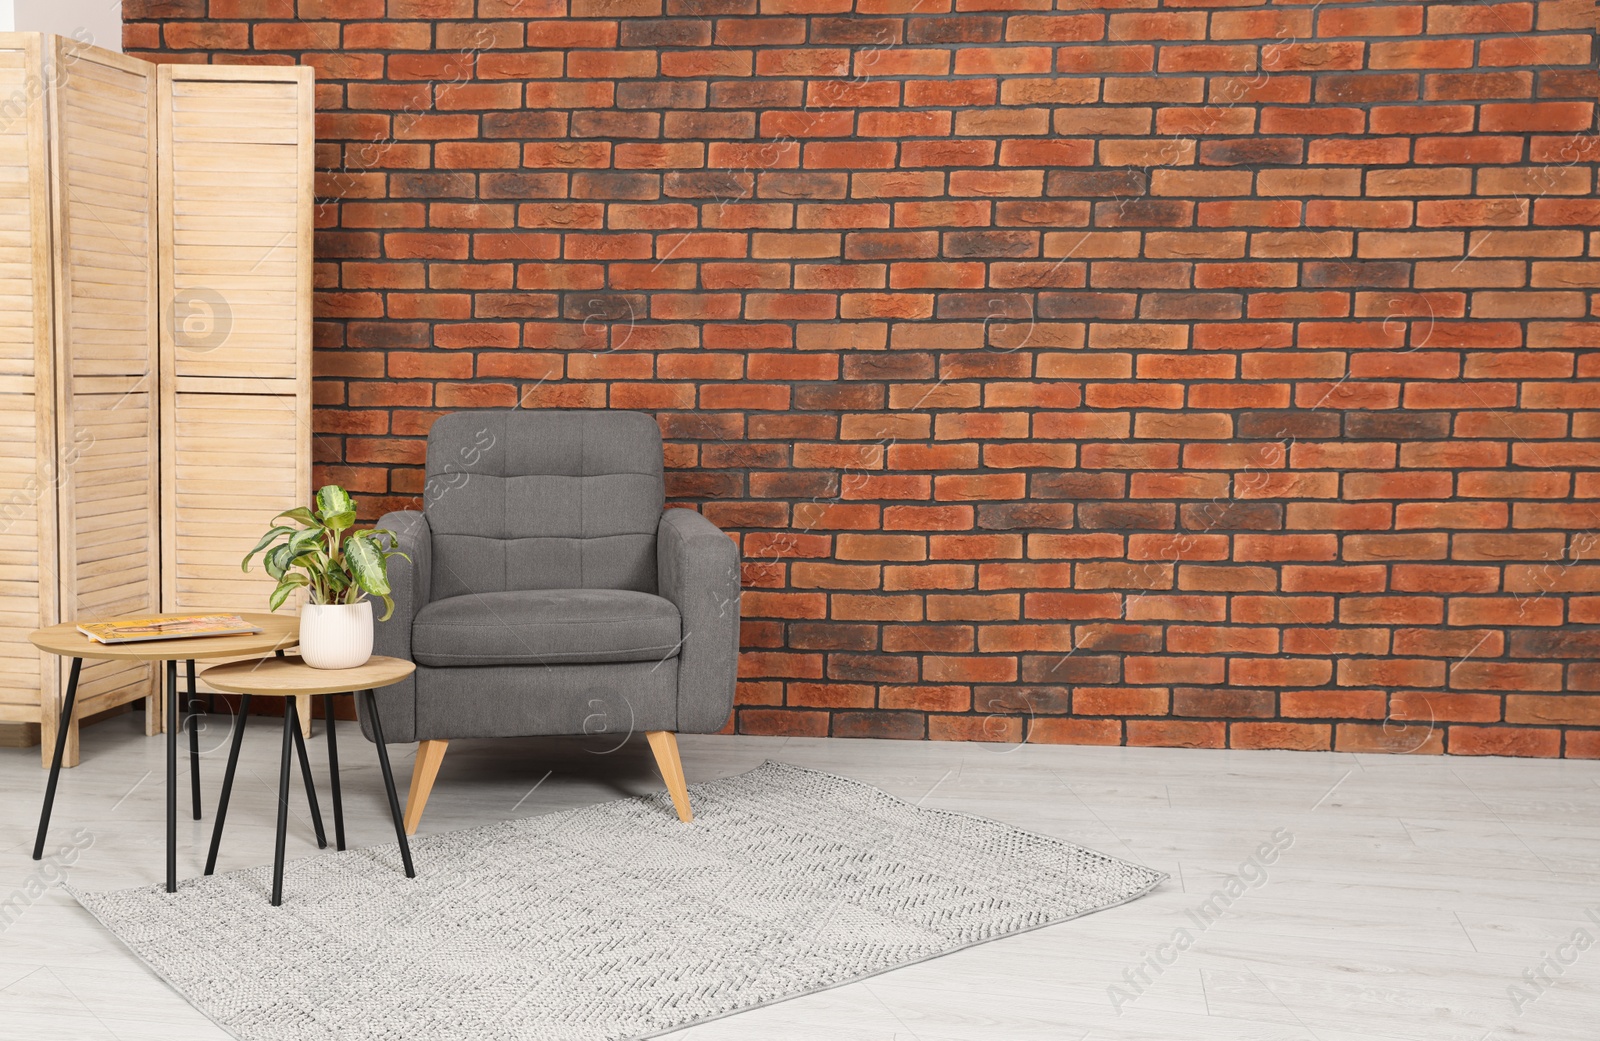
(286, 585)
(277, 532)
(365, 564)
(388, 606)
(333, 500)
(340, 521)
(299, 513)
(304, 539)
(278, 560)
(390, 540)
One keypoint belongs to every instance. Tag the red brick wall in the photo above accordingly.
(1198, 372)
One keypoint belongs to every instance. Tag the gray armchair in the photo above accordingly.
(549, 593)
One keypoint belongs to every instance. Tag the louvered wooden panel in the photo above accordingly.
(114, 528)
(27, 522)
(216, 516)
(23, 202)
(28, 591)
(104, 143)
(235, 225)
(103, 151)
(236, 161)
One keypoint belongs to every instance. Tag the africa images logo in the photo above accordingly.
(49, 873)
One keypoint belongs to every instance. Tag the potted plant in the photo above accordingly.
(339, 566)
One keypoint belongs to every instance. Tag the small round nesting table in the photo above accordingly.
(278, 633)
(292, 678)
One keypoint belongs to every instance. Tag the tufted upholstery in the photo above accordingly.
(544, 589)
(543, 500)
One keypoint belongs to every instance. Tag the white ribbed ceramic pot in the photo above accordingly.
(336, 636)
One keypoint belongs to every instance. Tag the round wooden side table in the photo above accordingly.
(278, 633)
(289, 677)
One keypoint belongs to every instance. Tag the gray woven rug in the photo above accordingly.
(613, 921)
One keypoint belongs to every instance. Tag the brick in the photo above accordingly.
(785, 722)
(1176, 734)
(1305, 737)
(1116, 702)
(1392, 737)
(1151, 668)
(1558, 709)
(996, 728)
(1333, 704)
(1433, 707)
(1460, 643)
(925, 698)
(1504, 677)
(1470, 740)
(1048, 730)
(1551, 116)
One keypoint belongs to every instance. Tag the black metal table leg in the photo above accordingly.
(191, 716)
(172, 776)
(55, 762)
(289, 728)
(388, 783)
(333, 772)
(305, 773)
(227, 781)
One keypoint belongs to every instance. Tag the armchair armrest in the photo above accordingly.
(697, 568)
(409, 582)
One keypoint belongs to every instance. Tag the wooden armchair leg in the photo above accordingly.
(664, 743)
(429, 755)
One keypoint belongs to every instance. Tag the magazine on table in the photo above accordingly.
(134, 630)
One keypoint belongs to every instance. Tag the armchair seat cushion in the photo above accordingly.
(546, 626)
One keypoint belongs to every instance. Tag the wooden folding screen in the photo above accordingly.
(155, 275)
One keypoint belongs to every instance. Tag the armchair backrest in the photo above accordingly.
(537, 499)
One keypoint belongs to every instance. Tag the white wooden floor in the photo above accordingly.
(1415, 893)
